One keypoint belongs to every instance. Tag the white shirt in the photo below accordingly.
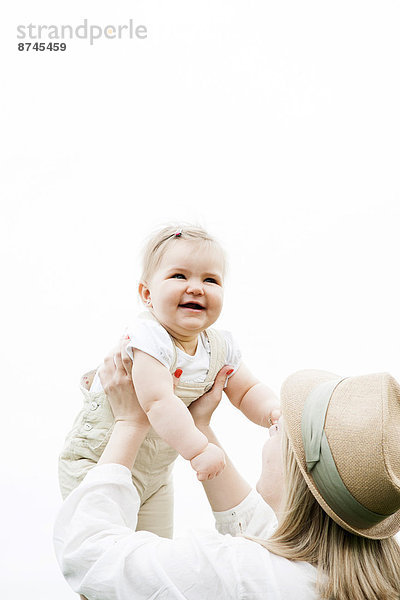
(103, 558)
(150, 336)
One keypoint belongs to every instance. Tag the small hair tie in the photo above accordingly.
(178, 233)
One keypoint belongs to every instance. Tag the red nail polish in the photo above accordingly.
(229, 372)
(127, 337)
(178, 373)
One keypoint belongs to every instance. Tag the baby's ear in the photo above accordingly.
(144, 293)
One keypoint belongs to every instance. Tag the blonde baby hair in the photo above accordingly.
(162, 239)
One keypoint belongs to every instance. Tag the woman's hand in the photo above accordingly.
(116, 378)
(203, 408)
(131, 423)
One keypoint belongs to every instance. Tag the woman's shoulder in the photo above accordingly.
(254, 569)
(259, 568)
(296, 579)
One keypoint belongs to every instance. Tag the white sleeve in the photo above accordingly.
(101, 556)
(233, 353)
(253, 516)
(150, 337)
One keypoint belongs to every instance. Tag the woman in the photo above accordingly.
(331, 474)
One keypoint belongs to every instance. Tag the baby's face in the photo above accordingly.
(186, 291)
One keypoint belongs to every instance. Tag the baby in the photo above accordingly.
(182, 289)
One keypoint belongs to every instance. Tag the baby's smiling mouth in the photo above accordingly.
(192, 305)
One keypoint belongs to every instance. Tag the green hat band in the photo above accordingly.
(321, 465)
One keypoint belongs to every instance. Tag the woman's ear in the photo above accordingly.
(144, 293)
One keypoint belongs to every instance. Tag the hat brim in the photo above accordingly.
(294, 393)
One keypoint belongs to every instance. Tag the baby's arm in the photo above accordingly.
(171, 419)
(255, 399)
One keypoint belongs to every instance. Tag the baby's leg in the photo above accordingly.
(71, 472)
(86, 441)
(157, 513)
(78, 457)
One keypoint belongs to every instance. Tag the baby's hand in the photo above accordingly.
(209, 463)
(274, 416)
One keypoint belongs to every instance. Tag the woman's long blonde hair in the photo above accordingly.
(349, 567)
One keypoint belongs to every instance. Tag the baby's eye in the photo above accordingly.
(178, 276)
(211, 280)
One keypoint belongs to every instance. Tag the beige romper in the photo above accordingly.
(152, 471)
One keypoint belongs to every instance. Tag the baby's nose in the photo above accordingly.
(196, 287)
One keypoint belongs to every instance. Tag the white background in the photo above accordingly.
(273, 124)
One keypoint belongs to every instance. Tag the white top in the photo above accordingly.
(103, 558)
(150, 336)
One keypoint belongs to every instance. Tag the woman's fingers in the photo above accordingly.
(118, 361)
(109, 360)
(222, 378)
(119, 367)
(203, 408)
(176, 377)
(106, 370)
(220, 382)
(275, 428)
(126, 359)
(113, 368)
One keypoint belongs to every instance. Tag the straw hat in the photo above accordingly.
(362, 430)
